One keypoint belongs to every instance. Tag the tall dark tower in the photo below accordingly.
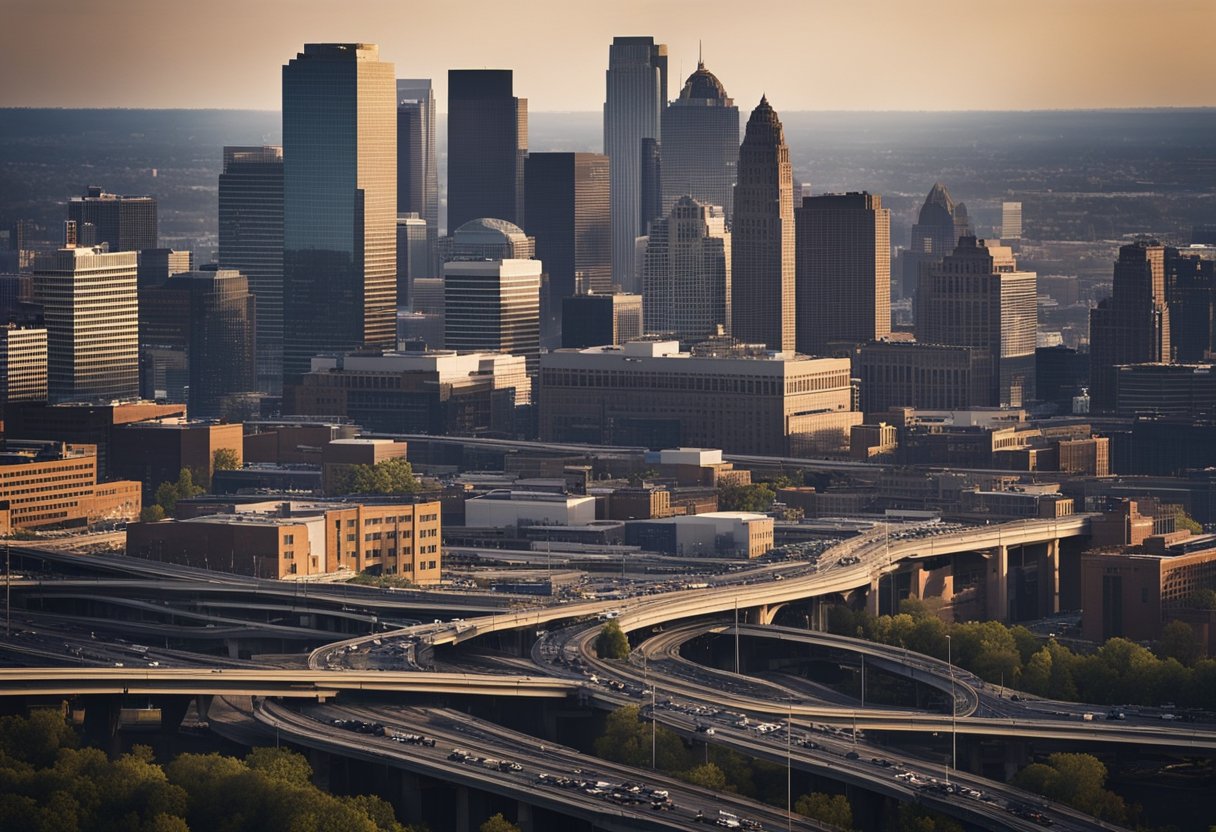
(762, 243)
(417, 171)
(567, 208)
(635, 97)
(933, 237)
(339, 203)
(251, 242)
(221, 340)
(487, 143)
(701, 144)
(1132, 326)
(125, 223)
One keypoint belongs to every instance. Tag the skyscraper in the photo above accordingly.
(91, 302)
(633, 106)
(251, 242)
(23, 364)
(843, 270)
(1132, 326)
(933, 237)
(762, 240)
(413, 254)
(686, 274)
(596, 320)
(568, 214)
(493, 306)
(487, 143)
(339, 202)
(1190, 288)
(976, 297)
(701, 144)
(417, 170)
(1011, 220)
(221, 346)
(125, 223)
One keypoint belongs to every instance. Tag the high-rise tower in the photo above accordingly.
(487, 143)
(417, 171)
(762, 242)
(843, 270)
(1132, 326)
(251, 242)
(933, 237)
(633, 106)
(124, 223)
(700, 151)
(686, 274)
(339, 202)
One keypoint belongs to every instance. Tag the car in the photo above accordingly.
(852, 755)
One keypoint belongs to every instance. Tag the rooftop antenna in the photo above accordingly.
(700, 61)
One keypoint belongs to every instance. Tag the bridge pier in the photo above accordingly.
(320, 762)
(462, 809)
(411, 796)
(873, 596)
(998, 584)
(101, 715)
(1049, 582)
(523, 816)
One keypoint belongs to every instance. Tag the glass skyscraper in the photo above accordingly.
(339, 202)
(487, 144)
(417, 171)
(701, 144)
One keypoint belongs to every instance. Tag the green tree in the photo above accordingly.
(754, 497)
(280, 764)
(168, 493)
(707, 776)
(392, 476)
(1076, 780)
(225, 459)
(1179, 641)
(1036, 676)
(832, 809)
(151, 514)
(497, 823)
(611, 643)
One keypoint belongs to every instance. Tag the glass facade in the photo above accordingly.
(340, 202)
(487, 144)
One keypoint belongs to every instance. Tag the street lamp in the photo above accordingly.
(953, 710)
(789, 772)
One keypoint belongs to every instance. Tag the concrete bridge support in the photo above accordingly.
(1049, 582)
(873, 596)
(523, 817)
(462, 810)
(411, 796)
(998, 583)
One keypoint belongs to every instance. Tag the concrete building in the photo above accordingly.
(493, 306)
(762, 240)
(221, 351)
(1132, 326)
(842, 271)
(1190, 291)
(686, 288)
(648, 393)
(155, 452)
(977, 297)
(45, 483)
(503, 508)
(487, 238)
(568, 209)
(487, 143)
(700, 144)
(91, 304)
(298, 441)
(1187, 390)
(598, 320)
(719, 534)
(23, 365)
(417, 168)
(251, 242)
(441, 393)
(1011, 220)
(338, 456)
(635, 98)
(156, 265)
(922, 376)
(696, 467)
(285, 539)
(339, 203)
(933, 236)
(124, 223)
(413, 254)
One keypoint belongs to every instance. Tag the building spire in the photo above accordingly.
(700, 60)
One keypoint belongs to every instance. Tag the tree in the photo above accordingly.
(1036, 677)
(611, 642)
(151, 514)
(392, 476)
(1077, 780)
(707, 776)
(168, 493)
(832, 809)
(1179, 641)
(225, 459)
(497, 823)
(754, 497)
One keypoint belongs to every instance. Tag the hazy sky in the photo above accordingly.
(806, 54)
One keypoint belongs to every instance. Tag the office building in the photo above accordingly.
(1190, 291)
(700, 149)
(487, 144)
(223, 323)
(1132, 326)
(91, 305)
(842, 271)
(648, 393)
(493, 306)
(718, 534)
(156, 265)
(23, 365)
(762, 239)
(283, 539)
(124, 223)
(1182, 390)
(487, 238)
(596, 320)
(933, 236)
(413, 254)
(687, 272)
(977, 297)
(251, 242)
(164, 340)
(505, 508)
(1011, 220)
(46, 483)
(567, 205)
(417, 168)
(636, 94)
(155, 452)
(440, 393)
(922, 376)
(339, 202)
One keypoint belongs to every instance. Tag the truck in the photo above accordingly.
(727, 820)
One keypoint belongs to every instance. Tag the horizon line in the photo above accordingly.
(1128, 109)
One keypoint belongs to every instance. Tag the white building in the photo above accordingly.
(493, 306)
(503, 508)
(732, 534)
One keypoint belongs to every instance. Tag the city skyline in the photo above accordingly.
(1071, 57)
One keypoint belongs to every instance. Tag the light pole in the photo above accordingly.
(789, 772)
(953, 710)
